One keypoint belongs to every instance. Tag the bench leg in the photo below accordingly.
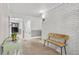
(48, 43)
(61, 50)
(44, 43)
(65, 49)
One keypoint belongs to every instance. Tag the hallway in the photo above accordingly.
(35, 47)
(36, 20)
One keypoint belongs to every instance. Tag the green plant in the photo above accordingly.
(13, 36)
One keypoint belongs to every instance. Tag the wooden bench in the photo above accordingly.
(58, 40)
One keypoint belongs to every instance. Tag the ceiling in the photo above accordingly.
(30, 9)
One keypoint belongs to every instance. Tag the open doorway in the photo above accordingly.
(15, 25)
(21, 27)
(27, 28)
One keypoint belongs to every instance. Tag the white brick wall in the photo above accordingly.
(64, 19)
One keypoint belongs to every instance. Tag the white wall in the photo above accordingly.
(3, 22)
(35, 24)
(64, 20)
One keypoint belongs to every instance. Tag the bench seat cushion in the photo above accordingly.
(61, 44)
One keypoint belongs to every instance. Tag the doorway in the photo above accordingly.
(22, 27)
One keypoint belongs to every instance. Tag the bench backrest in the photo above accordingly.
(57, 36)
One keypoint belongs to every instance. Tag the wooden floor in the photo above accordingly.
(35, 47)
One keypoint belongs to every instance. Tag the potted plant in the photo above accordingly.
(14, 36)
